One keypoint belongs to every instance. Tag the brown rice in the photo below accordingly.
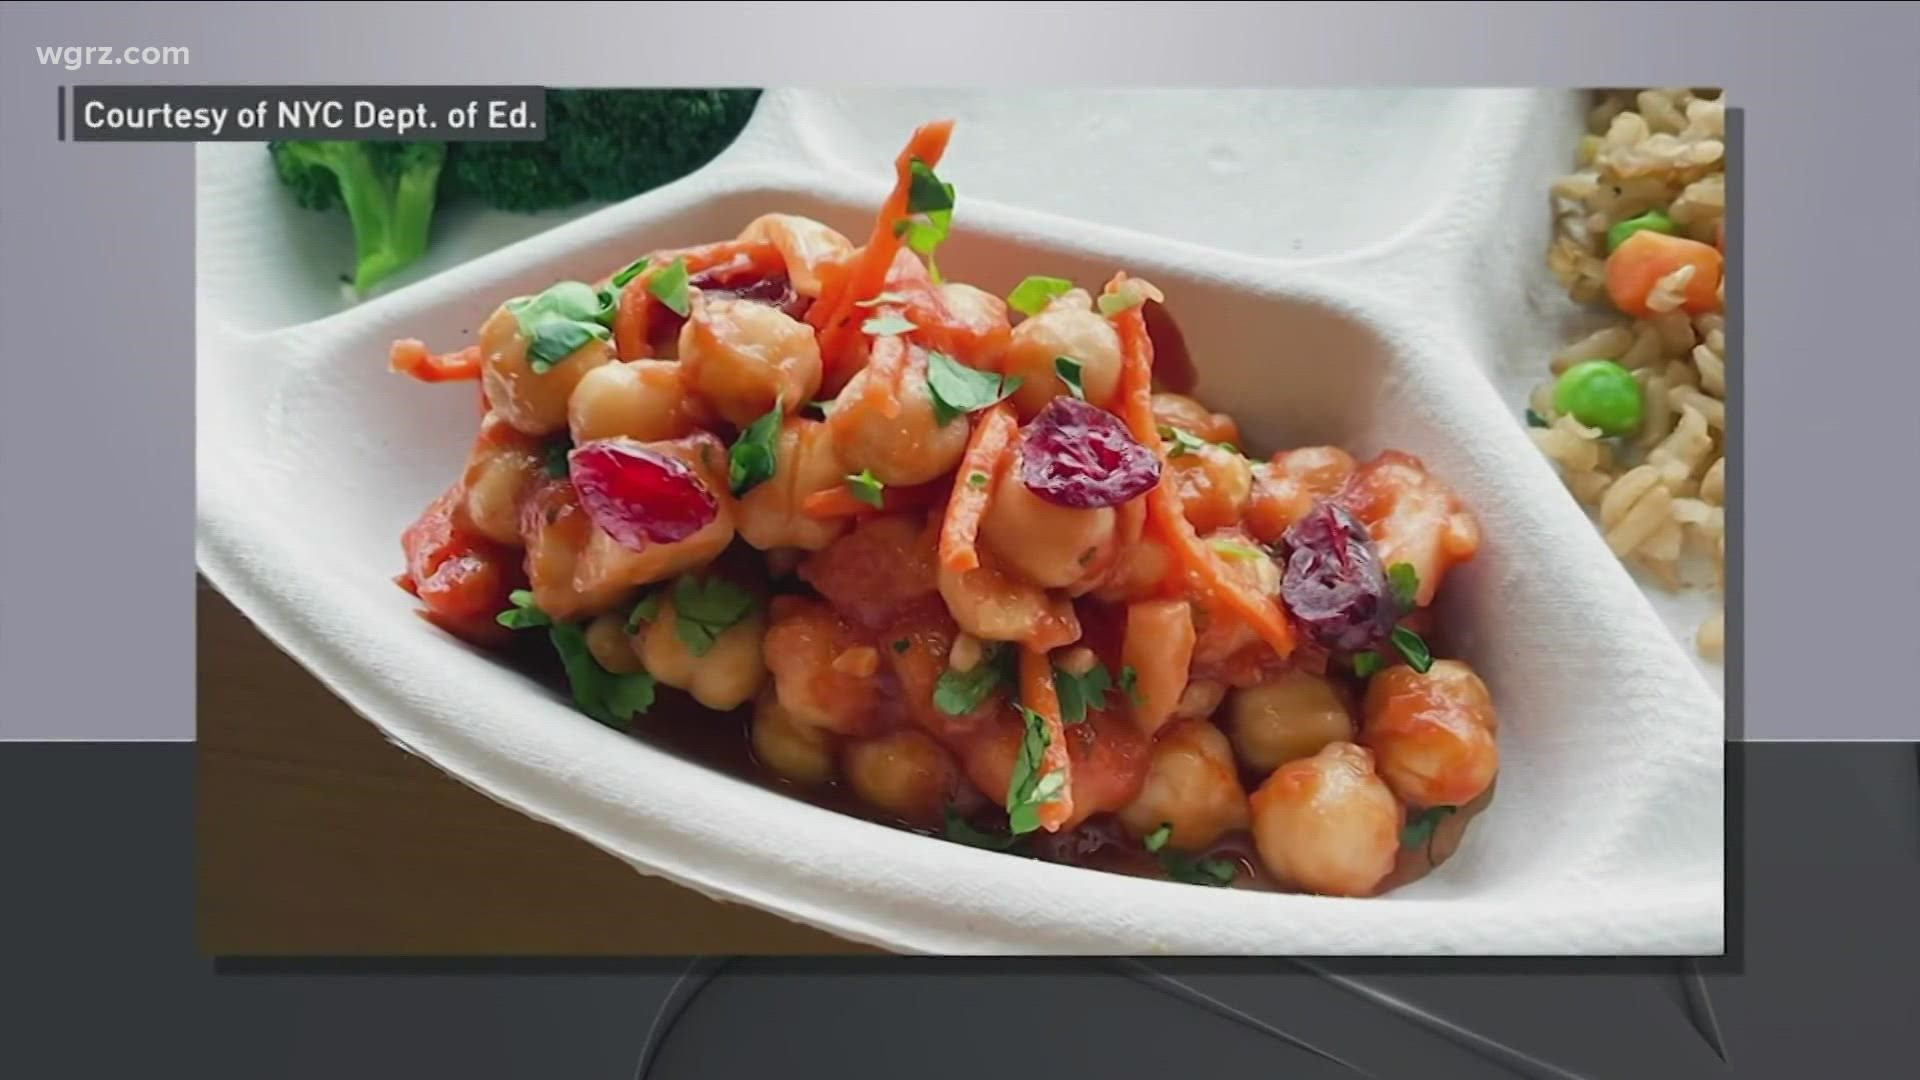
(1658, 495)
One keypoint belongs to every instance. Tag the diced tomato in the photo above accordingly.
(1110, 758)
(1414, 518)
(872, 573)
(462, 578)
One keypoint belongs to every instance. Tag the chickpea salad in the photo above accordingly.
(972, 564)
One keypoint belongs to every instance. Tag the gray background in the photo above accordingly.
(1820, 979)
(98, 270)
(95, 465)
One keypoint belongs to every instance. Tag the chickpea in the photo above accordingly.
(1415, 518)
(802, 641)
(791, 749)
(533, 402)
(975, 331)
(896, 435)
(1201, 699)
(1183, 412)
(503, 466)
(1136, 574)
(1326, 824)
(612, 649)
(557, 532)
(1066, 327)
(1051, 546)
(1433, 734)
(1291, 715)
(1159, 647)
(903, 773)
(1193, 785)
(726, 677)
(993, 605)
(605, 565)
(1213, 484)
(804, 462)
(641, 399)
(1289, 485)
(741, 357)
(805, 245)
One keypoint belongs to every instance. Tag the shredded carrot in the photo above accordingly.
(838, 501)
(409, 356)
(1216, 583)
(1038, 693)
(989, 446)
(634, 317)
(835, 316)
(887, 364)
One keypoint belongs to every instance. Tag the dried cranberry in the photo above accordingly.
(1333, 584)
(640, 496)
(775, 291)
(1080, 456)
(727, 283)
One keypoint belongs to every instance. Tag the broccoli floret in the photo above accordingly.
(603, 145)
(389, 190)
(522, 177)
(619, 143)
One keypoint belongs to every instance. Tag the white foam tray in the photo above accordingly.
(1358, 267)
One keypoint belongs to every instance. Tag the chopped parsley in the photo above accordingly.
(628, 272)
(962, 831)
(1414, 648)
(1031, 786)
(703, 610)
(1069, 371)
(755, 454)
(1184, 441)
(1404, 581)
(1130, 685)
(523, 615)
(1032, 295)
(561, 320)
(887, 325)
(930, 206)
(867, 488)
(1080, 693)
(1233, 549)
(958, 389)
(647, 610)
(559, 464)
(1158, 838)
(958, 693)
(1366, 663)
(612, 699)
(1419, 831)
(1217, 873)
(1184, 868)
(669, 287)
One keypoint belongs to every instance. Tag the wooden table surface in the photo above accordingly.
(319, 837)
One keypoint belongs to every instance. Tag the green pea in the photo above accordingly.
(1652, 219)
(1600, 394)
